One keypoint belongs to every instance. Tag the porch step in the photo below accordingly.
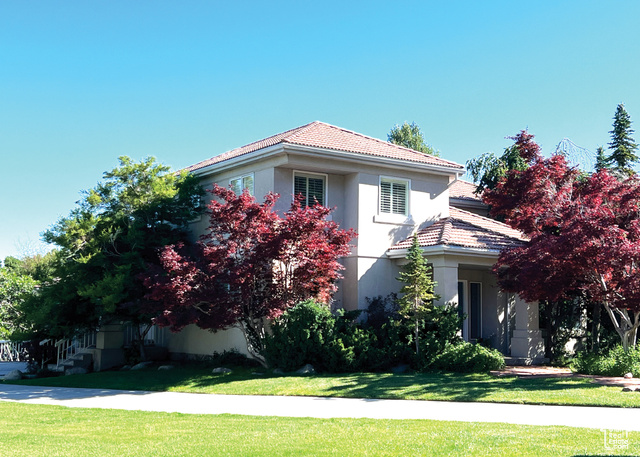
(525, 361)
(55, 368)
(82, 359)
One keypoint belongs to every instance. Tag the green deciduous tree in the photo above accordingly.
(623, 148)
(39, 266)
(14, 289)
(418, 290)
(109, 240)
(410, 136)
(488, 169)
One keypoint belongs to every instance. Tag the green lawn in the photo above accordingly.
(429, 386)
(36, 430)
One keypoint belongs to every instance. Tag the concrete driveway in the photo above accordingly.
(325, 407)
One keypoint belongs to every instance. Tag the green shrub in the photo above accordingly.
(353, 348)
(232, 358)
(615, 362)
(381, 310)
(465, 357)
(300, 336)
(309, 333)
(440, 329)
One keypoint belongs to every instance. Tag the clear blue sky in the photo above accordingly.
(83, 82)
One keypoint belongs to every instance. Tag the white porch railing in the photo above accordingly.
(69, 347)
(11, 351)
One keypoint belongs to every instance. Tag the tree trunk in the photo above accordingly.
(626, 328)
(253, 352)
(595, 327)
(141, 335)
(416, 332)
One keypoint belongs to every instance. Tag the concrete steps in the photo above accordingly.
(76, 364)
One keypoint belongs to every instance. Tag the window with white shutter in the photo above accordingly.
(241, 183)
(394, 196)
(311, 187)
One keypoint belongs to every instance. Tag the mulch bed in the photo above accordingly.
(555, 372)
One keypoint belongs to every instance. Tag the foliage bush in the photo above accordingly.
(615, 362)
(299, 336)
(465, 357)
(440, 329)
(232, 358)
(310, 333)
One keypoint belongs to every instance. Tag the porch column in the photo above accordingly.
(445, 273)
(110, 336)
(527, 339)
(109, 352)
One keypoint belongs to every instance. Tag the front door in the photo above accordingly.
(470, 304)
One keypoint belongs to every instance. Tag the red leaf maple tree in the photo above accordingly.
(250, 265)
(584, 238)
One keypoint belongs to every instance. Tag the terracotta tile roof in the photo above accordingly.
(320, 135)
(465, 229)
(464, 190)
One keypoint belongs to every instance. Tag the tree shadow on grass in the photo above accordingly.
(422, 386)
(458, 387)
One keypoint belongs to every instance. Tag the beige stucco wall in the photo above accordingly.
(196, 341)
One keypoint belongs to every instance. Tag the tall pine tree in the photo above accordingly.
(418, 290)
(623, 147)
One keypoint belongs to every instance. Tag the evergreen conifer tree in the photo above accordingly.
(623, 147)
(601, 159)
(418, 290)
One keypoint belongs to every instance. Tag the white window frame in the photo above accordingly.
(394, 179)
(307, 174)
(241, 178)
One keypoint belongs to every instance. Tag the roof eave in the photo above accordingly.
(442, 249)
(377, 160)
(467, 202)
(283, 148)
(233, 162)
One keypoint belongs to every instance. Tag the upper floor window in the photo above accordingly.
(241, 183)
(312, 187)
(394, 196)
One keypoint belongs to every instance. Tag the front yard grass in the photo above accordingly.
(38, 430)
(421, 386)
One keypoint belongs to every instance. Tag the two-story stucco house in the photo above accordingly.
(386, 193)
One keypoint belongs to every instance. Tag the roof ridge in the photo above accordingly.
(486, 219)
(283, 135)
(445, 232)
(378, 140)
(325, 136)
(222, 156)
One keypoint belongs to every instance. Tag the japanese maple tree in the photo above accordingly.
(250, 266)
(584, 238)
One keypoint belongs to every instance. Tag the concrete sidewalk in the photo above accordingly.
(325, 407)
